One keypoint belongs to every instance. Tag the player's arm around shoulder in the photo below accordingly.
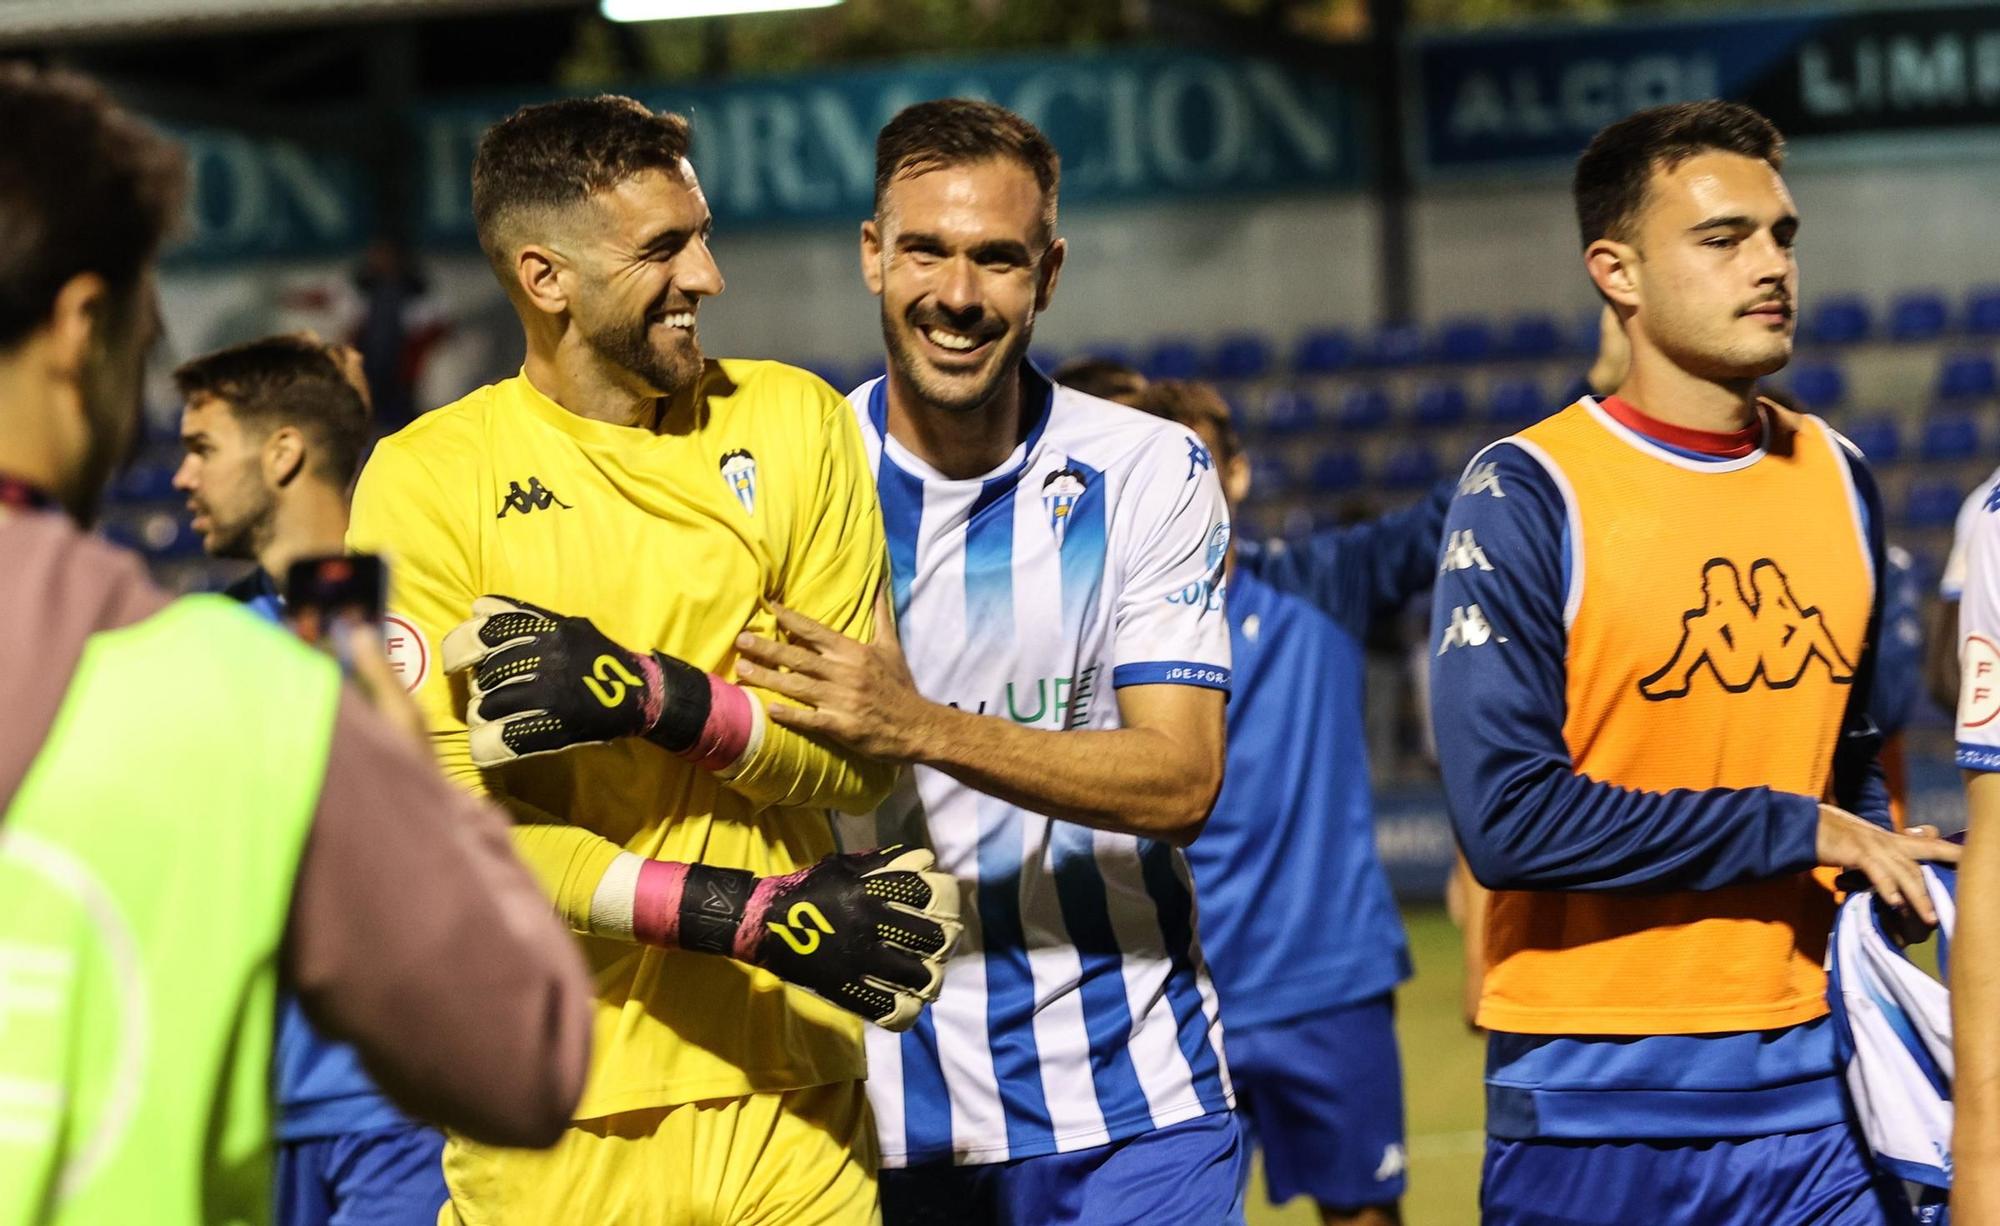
(1157, 776)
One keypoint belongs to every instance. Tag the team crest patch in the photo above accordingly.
(739, 469)
(1060, 490)
(409, 655)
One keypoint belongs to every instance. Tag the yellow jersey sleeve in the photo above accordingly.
(403, 511)
(836, 559)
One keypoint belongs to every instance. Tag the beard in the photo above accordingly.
(629, 346)
(953, 394)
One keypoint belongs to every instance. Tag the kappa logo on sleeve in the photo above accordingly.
(1469, 628)
(1481, 479)
(1978, 682)
(1462, 552)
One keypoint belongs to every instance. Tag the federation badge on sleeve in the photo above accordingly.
(739, 469)
(1060, 490)
(1978, 683)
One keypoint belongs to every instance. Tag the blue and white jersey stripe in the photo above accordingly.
(1077, 1010)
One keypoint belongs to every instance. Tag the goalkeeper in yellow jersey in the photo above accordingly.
(574, 551)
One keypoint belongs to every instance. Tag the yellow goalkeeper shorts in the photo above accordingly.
(804, 1157)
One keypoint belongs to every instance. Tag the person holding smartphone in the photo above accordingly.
(272, 432)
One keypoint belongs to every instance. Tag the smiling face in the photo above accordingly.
(962, 261)
(642, 265)
(1710, 273)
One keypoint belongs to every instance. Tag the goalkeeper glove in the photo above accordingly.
(868, 931)
(541, 682)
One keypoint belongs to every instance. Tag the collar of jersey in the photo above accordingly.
(1677, 456)
(1035, 387)
(581, 428)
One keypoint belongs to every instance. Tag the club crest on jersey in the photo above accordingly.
(1766, 635)
(739, 469)
(1060, 490)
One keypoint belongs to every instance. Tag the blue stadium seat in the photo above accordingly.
(1585, 332)
(145, 483)
(1932, 504)
(1324, 351)
(1949, 436)
(1465, 340)
(1516, 402)
(1394, 345)
(1918, 316)
(1290, 411)
(1578, 388)
(1821, 386)
(1837, 321)
(1242, 357)
(1336, 471)
(1409, 468)
(1045, 360)
(1440, 405)
(1532, 338)
(1967, 376)
(1363, 408)
(1982, 311)
(1270, 476)
(1879, 438)
(1172, 359)
(834, 373)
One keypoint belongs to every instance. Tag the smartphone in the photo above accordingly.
(322, 594)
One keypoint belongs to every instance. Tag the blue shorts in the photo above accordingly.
(383, 1177)
(1819, 1177)
(1189, 1173)
(1323, 1095)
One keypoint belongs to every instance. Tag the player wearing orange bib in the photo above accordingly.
(574, 552)
(1651, 666)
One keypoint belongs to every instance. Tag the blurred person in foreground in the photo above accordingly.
(1289, 856)
(577, 548)
(192, 807)
(1650, 687)
(1056, 564)
(1975, 985)
(272, 433)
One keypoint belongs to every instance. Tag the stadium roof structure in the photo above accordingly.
(50, 22)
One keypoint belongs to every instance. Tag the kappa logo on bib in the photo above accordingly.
(1740, 639)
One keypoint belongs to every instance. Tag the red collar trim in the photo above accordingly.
(21, 496)
(1733, 445)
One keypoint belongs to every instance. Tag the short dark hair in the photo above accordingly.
(1104, 378)
(1192, 404)
(85, 187)
(1613, 173)
(286, 381)
(558, 154)
(949, 132)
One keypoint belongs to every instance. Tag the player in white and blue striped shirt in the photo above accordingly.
(1057, 564)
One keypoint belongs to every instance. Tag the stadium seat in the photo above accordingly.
(1440, 406)
(1242, 357)
(1290, 411)
(1409, 468)
(1045, 360)
(1584, 333)
(145, 483)
(1982, 311)
(836, 375)
(1821, 387)
(1464, 340)
(1394, 345)
(1532, 338)
(1949, 436)
(1172, 359)
(1918, 316)
(1879, 439)
(1326, 351)
(1578, 388)
(1932, 504)
(1363, 408)
(1270, 477)
(1837, 321)
(1336, 472)
(1516, 402)
(1967, 376)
